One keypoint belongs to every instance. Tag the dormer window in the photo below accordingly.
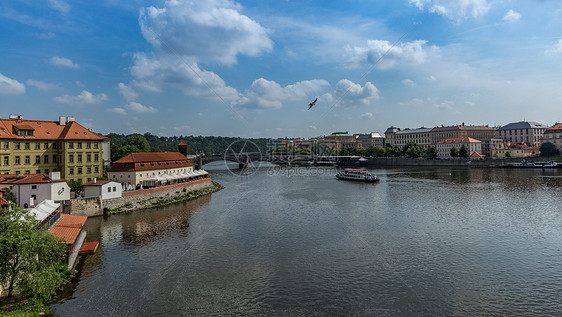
(24, 130)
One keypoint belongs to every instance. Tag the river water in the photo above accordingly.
(422, 241)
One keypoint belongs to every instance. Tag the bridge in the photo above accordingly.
(243, 159)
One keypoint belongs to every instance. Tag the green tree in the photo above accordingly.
(139, 141)
(75, 186)
(454, 152)
(124, 151)
(9, 196)
(463, 152)
(412, 150)
(31, 260)
(507, 154)
(548, 149)
(392, 150)
(431, 152)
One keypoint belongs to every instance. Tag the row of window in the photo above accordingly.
(514, 132)
(45, 171)
(47, 145)
(79, 170)
(27, 159)
(79, 158)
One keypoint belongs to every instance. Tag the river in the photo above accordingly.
(422, 241)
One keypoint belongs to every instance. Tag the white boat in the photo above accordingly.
(357, 174)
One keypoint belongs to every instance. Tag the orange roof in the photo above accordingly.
(27, 179)
(182, 143)
(46, 130)
(73, 221)
(89, 246)
(557, 128)
(150, 161)
(3, 201)
(459, 140)
(69, 234)
(476, 154)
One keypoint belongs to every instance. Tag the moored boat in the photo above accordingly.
(357, 174)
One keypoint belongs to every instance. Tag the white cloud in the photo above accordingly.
(455, 10)
(511, 16)
(264, 93)
(117, 110)
(408, 82)
(444, 105)
(42, 85)
(210, 30)
(556, 48)
(127, 92)
(85, 97)
(59, 5)
(63, 62)
(10, 86)
(139, 108)
(366, 116)
(416, 52)
(151, 73)
(348, 93)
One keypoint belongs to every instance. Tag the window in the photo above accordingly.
(96, 169)
(109, 189)
(54, 145)
(96, 157)
(37, 146)
(71, 158)
(88, 157)
(47, 171)
(88, 145)
(71, 171)
(54, 158)
(70, 145)
(79, 158)
(46, 146)
(78, 145)
(89, 170)
(33, 186)
(79, 170)
(114, 188)
(27, 160)
(28, 172)
(27, 145)
(37, 159)
(37, 171)
(16, 146)
(6, 160)
(17, 172)
(6, 145)
(95, 145)
(46, 159)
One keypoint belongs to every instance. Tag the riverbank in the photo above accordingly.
(461, 162)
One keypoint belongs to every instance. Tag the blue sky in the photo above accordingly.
(250, 68)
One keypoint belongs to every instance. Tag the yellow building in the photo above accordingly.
(514, 150)
(38, 146)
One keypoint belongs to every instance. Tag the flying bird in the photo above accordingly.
(310, 105)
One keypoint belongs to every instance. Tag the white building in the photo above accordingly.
(31, 189)
(105, 188)
(522, 132)
(400, 138)
(444, 147)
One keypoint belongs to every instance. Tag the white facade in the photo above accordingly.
(105, 189)
(29, 195)
(136, 178)
(444, 147)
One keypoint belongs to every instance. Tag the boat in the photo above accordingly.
(357, 174)
(524, 164)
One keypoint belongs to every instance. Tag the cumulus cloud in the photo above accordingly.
(455, 10)
(151, 73)
(63, 62)
(117, 110)
(556, 48)
(59, 5)
(85, 97)
(408, 82)
(366, 116)
(415, 52)
(211, 30)
(139, 108)
(444, 105)
(264, 93)
(42, 85)
(511, 16)
(127, 92)
(10, 86)
(348, 93)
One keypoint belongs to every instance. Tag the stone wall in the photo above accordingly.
(134, 200)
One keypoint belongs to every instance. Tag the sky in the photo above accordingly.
(250, 68)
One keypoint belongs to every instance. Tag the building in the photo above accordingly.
(481, 133)
(134, 168)
(522, 132)
(369, 139)
(31, 189)
(4, 204)
(37, 146)
(444, 146)
(553, 135)
(337, 141)
(105, 189)
(515, 150)
(400, 138)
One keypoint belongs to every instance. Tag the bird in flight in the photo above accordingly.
(310, 105)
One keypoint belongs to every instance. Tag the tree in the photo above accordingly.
(392, 150)
(454, 152)
(9, 196)
(507, 154)
(463, 152)
(431, 152)
(548, 149)
(31, 260)
(139, 141)
(124, 151)
(413, 150)
(75, 186)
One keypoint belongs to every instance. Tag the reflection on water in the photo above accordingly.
(423, 241)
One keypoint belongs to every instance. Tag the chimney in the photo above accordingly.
(95, 180)
(54, 176)
(182, 148)
(62, 121)
(70, 119)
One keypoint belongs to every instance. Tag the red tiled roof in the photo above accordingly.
(46, 130)
(150, 161)
(89, 246)
(27, 179)
(3, 201)
(182, 143)
(74, 221)
(557, 128)
(459, 140)
(476, 154)
(69, 234)
(462, 127)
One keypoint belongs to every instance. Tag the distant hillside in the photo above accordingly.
(122, 145)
